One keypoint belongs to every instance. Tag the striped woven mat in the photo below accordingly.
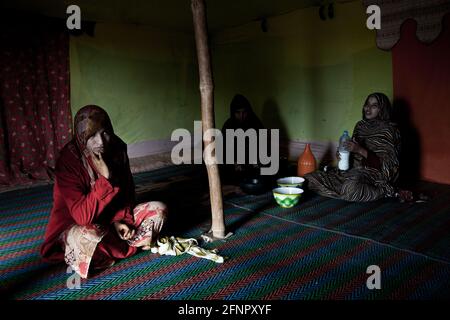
(420, 227)
(320, 249)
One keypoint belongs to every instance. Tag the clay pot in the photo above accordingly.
(306, 162)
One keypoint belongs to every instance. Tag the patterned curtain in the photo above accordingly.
(35, 116)
(428, 14)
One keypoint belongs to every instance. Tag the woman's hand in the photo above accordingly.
(338, 156)
(354, 147)
(124, 231)
(100, 165)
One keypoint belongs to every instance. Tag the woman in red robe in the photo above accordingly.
(94, 220)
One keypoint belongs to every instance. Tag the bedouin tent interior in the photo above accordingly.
(306, 68)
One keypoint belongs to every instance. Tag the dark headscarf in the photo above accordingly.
(384, 104)
(237, 103)
(88, 121)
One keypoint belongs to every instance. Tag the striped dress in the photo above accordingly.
(364, 181)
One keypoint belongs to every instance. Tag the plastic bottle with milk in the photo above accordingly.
(344, 154)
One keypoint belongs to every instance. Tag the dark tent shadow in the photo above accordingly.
(187, 198)
(328, 156)
(271, 119)
(270, 116)
(410, 155)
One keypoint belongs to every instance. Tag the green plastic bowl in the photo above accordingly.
(287, 197)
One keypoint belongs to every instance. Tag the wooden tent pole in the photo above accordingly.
(207, 103)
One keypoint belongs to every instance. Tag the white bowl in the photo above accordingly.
(291, 182)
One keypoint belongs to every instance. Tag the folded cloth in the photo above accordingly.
(175, 246)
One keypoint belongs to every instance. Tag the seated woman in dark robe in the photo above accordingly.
(375, 148)
(241, 117)
(95, 220)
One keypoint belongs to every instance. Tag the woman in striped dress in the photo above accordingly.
(375, 148)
